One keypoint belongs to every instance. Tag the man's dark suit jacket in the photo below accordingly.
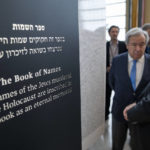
(147, 50)
(140, 113)
(121, 48)
(121, 84)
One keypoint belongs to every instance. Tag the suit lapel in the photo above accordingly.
(143, 75)
(126, 74)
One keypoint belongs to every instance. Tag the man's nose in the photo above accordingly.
(138, 47)
(115, 34)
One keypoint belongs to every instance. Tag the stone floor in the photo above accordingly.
(104, 142)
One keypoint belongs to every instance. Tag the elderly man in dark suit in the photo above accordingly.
(114, 47)
(139, 113)
(129, 74)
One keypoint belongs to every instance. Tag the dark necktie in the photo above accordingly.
(133, 75)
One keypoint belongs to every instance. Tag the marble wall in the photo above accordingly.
(92, 69)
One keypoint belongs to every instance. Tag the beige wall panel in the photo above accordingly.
(147, 11)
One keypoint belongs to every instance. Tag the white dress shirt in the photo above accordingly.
(139, 68)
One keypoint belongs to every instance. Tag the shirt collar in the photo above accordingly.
(112, 43)
(139, 60)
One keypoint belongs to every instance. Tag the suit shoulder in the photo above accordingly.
(107, 43)
(122, 56)
(122, 47)
(147, 56)
(121, 42)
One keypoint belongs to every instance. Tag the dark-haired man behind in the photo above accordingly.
(113, 48)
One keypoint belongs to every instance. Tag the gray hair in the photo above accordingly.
(134, 32)
(146, 26)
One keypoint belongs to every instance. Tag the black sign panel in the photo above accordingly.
(39, 75)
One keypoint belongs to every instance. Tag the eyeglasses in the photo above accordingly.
(135, 44)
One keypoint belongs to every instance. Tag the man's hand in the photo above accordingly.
(126, 109)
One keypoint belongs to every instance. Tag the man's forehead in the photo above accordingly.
(114, 29)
